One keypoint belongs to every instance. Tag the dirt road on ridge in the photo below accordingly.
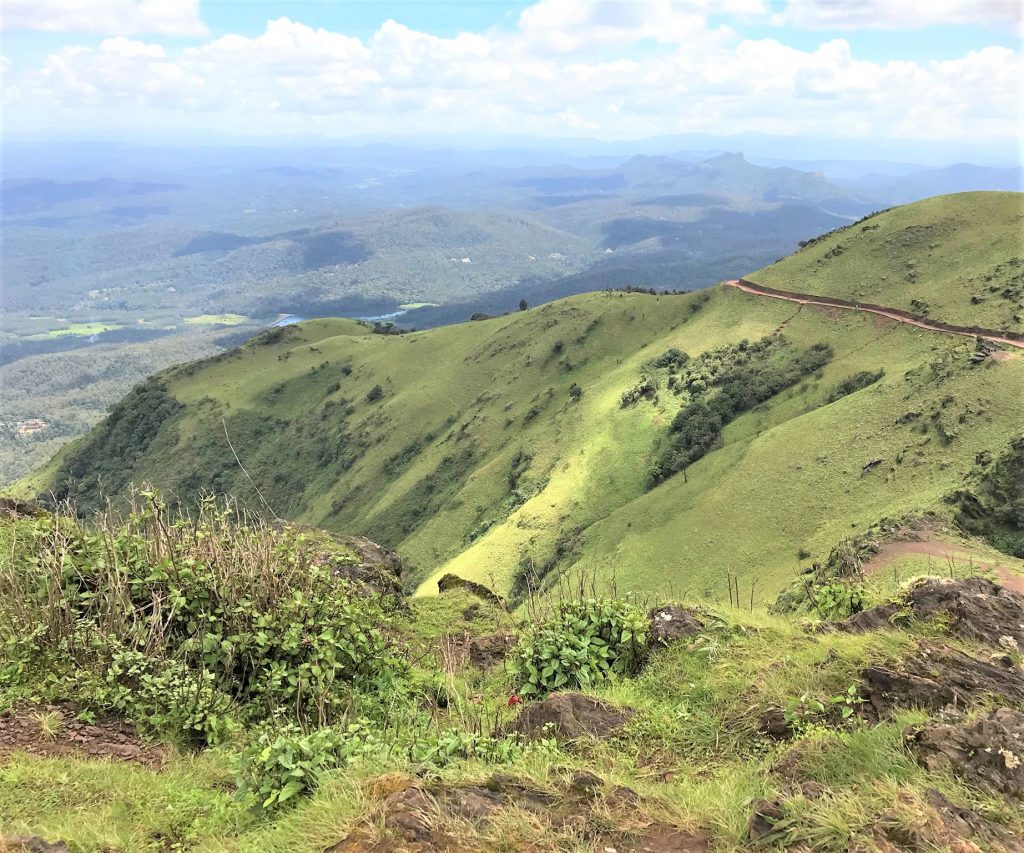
(992, 335)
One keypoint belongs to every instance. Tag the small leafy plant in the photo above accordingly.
(803, 711)
(837, 600)
(849, 702)
(581, 645)
(279, 767)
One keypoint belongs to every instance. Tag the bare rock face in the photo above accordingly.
(988, 753)
(490, 651)
(569, 716)
(938, 676)
(20, 731)
(765, 815)
(963, 822)
(773, 723)
(671, 623)
(978, 609)
(450, 582)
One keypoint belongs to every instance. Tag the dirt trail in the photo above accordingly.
(948, 553)
(891, 313)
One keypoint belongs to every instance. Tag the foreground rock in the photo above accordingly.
(569, 716)
(31, 844)
(671, 623)
(962, 822)
(491, 650)
(988, 752)
(939, 676)
(978, 608)
(417, 818)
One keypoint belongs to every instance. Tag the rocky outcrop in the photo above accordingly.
(369, 567)
(16, 508)
(763, 817)
(978, 609)
(432, 817)
(569, 716)
(449, 582)
(773, 723)
(22, 730)
(938, 676)
(962, 822)
(670, 623)
(988, 752)
(491, 650)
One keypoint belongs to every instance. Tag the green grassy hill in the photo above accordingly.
(956, 258)
(502, 450)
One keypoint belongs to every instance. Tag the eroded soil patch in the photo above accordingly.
(53, 732)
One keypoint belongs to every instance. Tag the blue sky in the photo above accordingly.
(891, 69)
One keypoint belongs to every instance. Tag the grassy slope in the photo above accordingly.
(928, 251)
(429, 465)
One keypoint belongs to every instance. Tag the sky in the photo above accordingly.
(930, 70)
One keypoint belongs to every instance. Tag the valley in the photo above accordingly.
(504, 450)
(557, 426)
(725, 570)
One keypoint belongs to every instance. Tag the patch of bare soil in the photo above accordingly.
(947, 554)
(51, 732)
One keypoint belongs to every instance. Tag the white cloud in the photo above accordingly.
(566, 26)
(561, 72)
(109, 17)
(897, 14)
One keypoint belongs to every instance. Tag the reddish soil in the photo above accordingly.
(832, 304)
(962, 556)
(51, 731)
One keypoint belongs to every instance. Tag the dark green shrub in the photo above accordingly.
(723, 384)
(645, 389)
(672, 357)
(580, 646)
(995, 510)
(374, 394)
(851, 384)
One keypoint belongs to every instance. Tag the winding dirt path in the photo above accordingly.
(993, 335)
(949, 554)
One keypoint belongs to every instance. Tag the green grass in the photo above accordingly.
(960, 255)
(216, 320)
(83, 329)
(691, 751)
(426, 468)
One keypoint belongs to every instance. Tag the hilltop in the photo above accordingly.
(924, 258)
(572, 438)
